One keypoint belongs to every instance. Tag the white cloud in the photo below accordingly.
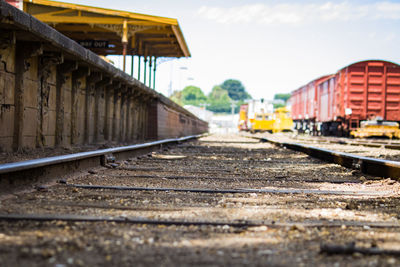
(390, 37)
(291, 13)
(387, 10)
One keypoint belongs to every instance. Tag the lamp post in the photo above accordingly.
(233, 105)
(156, 63)
(182, 68)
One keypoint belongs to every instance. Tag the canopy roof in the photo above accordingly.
(146, 35)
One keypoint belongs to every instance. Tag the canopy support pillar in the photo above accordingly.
(154, 73)
(124, 42)
(145, 70)
(139, 61)
(150, 64)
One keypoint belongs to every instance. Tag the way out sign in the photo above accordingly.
(93, 43)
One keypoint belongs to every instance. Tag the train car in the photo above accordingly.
(366, 90)
(361, 91)
(325, 122)
(304, 105)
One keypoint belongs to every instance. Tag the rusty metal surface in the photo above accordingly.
(235, 190)
(31, 164)
(18, 176)
(138, 220)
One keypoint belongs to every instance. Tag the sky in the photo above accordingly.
(270, 46)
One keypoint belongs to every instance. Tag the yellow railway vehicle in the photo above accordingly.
(261, 121)
(283, 121)
(377, 128)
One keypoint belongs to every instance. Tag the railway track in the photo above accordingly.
(21, 174)
(368, 165)
(220, 200)
(380, 143)
(372, 148)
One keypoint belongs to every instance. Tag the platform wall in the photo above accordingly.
(172, 123)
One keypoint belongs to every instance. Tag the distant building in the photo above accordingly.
(200, 112)
(278, 101)
(224, 124)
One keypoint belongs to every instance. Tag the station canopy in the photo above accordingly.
(112, 32)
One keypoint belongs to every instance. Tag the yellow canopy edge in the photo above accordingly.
(105, 30)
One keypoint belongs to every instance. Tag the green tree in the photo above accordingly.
(284, 97)
(193, 95)
(219, 100)
(177, 97)
(236, 90)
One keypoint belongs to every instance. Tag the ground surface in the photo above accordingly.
(307, 203)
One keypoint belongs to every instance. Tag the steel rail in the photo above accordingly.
(242, 161)
(372, 143)
(233, 178)
(234, 190)
(235, 223)
(351, 249)
(34, 163)
(372, 166)
(21, 175)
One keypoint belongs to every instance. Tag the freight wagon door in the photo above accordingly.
(393, 93)
(376, 88)
(324, 102)
(354, 90)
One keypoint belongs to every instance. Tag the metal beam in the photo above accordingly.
(90, 20)
(103, 11)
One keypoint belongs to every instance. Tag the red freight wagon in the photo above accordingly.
(304, 105)
(326, 99)
(326, 107)
(295, 104)
(364, 90)
(368, 89)
(312, 99)
(361, 91)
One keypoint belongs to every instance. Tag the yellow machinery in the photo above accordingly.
(278, 121)
(377, 128)
(262, 122)
(283, 121)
